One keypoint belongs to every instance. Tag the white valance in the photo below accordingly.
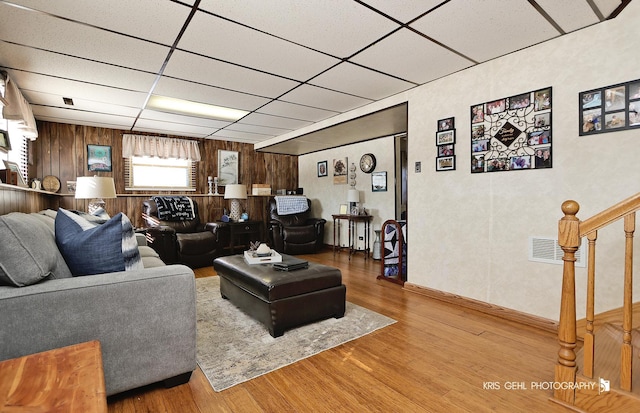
(18, 110)
(155, 146)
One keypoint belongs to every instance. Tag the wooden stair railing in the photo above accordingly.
(570, 232)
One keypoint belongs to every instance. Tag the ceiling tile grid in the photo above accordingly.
(289, 63)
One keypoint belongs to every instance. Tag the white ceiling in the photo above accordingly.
(289, 63)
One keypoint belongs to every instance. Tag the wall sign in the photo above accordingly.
(610, 109)
(512, 133)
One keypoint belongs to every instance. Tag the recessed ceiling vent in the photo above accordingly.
(542, 249)
(68, 101)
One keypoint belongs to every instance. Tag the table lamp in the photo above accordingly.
(235, 192)
(95, 188)
(353, 197)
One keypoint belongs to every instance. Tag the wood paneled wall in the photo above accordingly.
(61, 151)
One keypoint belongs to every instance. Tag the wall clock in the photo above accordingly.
(368, 163)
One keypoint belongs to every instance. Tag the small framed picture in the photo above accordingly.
(520, 162)
(614, 98)
(446, 163)
(71, 187)
(228, 162)
(497, 106)
(5, 143)
(14, 167)
(379, 181)
(322, 169)
(615, 120)
(343, 209)
(445, 124)
(520, 101)
(477, 114)
(99, 158)
(445, 150)
(542, 99)
(446, 137)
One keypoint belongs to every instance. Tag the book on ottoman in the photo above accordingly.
(290, 263)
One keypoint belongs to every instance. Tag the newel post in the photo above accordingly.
(569, 240)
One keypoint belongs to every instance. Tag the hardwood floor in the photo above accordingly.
(436, 358)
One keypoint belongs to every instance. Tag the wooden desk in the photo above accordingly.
(68, 379)
(353, 221)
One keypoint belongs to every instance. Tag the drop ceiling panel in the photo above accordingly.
(74, 39)
(78, 117)
(213, 36)
(294, 111)
(212, 124)
(197, 92)
(404, 11)
(159, 21)
(75, 90)
(318, 97)
(569, 14)
(188, 66)
(359, 81)
(261, 130)
(274, 121)
(247, 137)
(47, 99)
(337, 27)
(412, 57)
(38, 61)
(162, 127)
(485, 29)
(607, 7)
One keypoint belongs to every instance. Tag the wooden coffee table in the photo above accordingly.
(68, 379)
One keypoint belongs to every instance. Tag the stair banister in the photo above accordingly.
(569, 241)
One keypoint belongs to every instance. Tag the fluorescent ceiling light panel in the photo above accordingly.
(187, 107)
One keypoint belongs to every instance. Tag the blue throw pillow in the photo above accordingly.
(96, 249)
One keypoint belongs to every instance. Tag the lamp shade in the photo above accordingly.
(235, 191)
(90, 187)
(353, 195)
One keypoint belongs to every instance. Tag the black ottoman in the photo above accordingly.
(281, 299)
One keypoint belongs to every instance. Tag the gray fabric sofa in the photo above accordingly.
(145, 319)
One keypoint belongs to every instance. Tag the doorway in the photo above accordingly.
(401, 187)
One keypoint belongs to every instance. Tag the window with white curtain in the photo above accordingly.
(144, 173)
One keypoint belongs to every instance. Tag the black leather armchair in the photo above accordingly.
(188, 242)
(296, 233)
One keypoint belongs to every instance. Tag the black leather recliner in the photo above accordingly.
(188, 242)
(296, 233)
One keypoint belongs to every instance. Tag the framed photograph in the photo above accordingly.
(477, 114)
(379, 181)
(99, 158)
(228, 162)
(71, 187)
(344, 209)
(14, 167)
(446, 137)
(445, 124)
(5, 143)
(322, 169)
(507, 138)
(520, 101)
(446, 163)
(497, 106)
(610, 108)
(445, 150)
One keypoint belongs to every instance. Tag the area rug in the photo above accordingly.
(234, 348)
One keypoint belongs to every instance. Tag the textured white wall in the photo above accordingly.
(472, 238)
(327, 197)
(469, 233)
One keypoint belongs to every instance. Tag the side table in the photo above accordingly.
(353, 221)
(242, 232)
(68, 379)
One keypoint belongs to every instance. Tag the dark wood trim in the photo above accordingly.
(486, 308)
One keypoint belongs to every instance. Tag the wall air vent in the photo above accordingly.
(68, 101)
(542, 249)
